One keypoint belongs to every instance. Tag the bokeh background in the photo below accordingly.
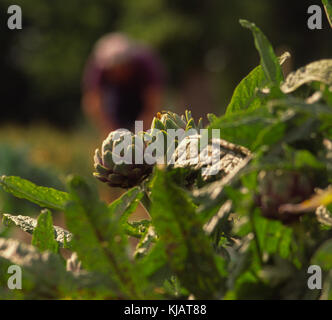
(43, 133)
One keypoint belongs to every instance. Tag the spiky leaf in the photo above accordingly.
(269, 61)
(28, 224)
(188, 250)
(42, 196)
(43, 235)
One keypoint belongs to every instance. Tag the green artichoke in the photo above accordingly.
(279, 187)
(168, 120)
(128, 173)
(171, 120)
(112, 168)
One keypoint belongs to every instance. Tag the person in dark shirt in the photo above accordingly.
(122, 83)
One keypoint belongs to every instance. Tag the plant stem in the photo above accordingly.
(253, 227)
(146, 202)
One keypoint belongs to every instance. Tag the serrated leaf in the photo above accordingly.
(126, 204)
(212, 195)
(244, 126)
(28, 224)
(320, 71)
(269, 61)
(124, 207)
(99, 238)
(42, 196)
(245, 94)
(273, 237)
(43, 236)
(154, 265)
(219, 157)
(180, 229)
(44, 274)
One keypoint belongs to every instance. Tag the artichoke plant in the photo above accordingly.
(279, 187)
(218, 159)
(126, 174)
(168, 120)
(171, 120)
(116, 173)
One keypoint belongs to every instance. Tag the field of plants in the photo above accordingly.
(247, 226)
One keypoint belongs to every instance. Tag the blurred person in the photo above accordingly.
(122, 83)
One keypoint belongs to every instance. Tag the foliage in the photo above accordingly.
(17, 161)
(328, 9)
(251, 232)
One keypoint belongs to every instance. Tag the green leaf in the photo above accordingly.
(211, 117)
(189, 251)
(273, 237)
(212, 196)
(227, 158)
(27, 224)
(270, 135)
(43, 235)
(44, 275)
(127, 203)
(154, 264)
(328, 10)
(124, 207)
(146, 242)
(99, 238)
(305, 159)
(136, 229)
(316, 111)
(269, 61)
(323, 256)
(320, 71)
(245, 94)
(42, 196)
(243, 127)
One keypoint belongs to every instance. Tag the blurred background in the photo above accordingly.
(205, 52)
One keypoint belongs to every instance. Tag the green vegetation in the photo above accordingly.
(250, 232)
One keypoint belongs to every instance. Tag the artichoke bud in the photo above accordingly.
(157, 124)
(188, 115)
(108, 159)
(200, 124)
(279, 187)
(170, 124)
(190, 124)
(180, 121)
(115, 164)
(171, 120)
